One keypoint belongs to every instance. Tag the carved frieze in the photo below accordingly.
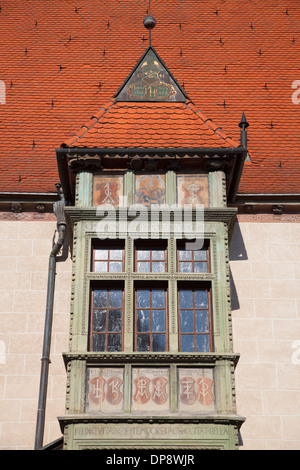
(85, 162)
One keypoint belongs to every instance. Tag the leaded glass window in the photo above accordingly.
(194, 320)
(192, 261)
(107, 319)
(143, 266)
(151, 319)
(151, 259)
(108, 259)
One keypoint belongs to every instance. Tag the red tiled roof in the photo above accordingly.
(60, 65)
(144, 124)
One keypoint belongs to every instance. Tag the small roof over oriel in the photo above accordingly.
(150, 110)
(149, 117)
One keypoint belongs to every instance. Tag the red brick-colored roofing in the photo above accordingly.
(146, 124)
(61, 62)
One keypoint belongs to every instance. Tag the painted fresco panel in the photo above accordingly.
(151, 81)
(150, 389)
(196, 390)
(104, 390)
(150, 189)
(108, 190)
(192, 190)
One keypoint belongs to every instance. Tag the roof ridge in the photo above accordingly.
(88, 125)
(214, 127)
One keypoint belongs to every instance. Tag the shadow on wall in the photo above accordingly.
(237, 252)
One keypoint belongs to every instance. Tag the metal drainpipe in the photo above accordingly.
(58, 208)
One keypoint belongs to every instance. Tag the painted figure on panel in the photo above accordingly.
(150, 189)
(192, 190)
(107, 191)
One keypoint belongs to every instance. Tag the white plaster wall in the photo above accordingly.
(24, 255)
(265, 267)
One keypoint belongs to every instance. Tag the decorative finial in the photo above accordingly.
(243, 125)
(149, 23)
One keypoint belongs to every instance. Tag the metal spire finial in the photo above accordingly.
(243, 125)
(149, 23)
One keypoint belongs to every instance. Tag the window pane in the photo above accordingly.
(99, 342)
(158, 254)
(185, 267)
(143, 320)
(100, 266)
(143, 298)
(143, 267)
(114, 320)
(158, 267)
(187, 321)
(100, 298)
(143, 343)
(158, 298)
(116, 254)
(115, 298)
(143, 254)
(99, 320)
(200, 267)
(159, 343)
(201, 299)
(185, 255)
(187, 343)
(186, 299)
(200, 255)
(202, 343)
(101, 254)
(158, 321)
(115, 267)
(202, 324)
(114, 343)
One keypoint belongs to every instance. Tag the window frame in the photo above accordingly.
(206, 246)
(150, 286)
(151, 245)
(129, 280)
(196, 286)
(107, 245)
(108, 286)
